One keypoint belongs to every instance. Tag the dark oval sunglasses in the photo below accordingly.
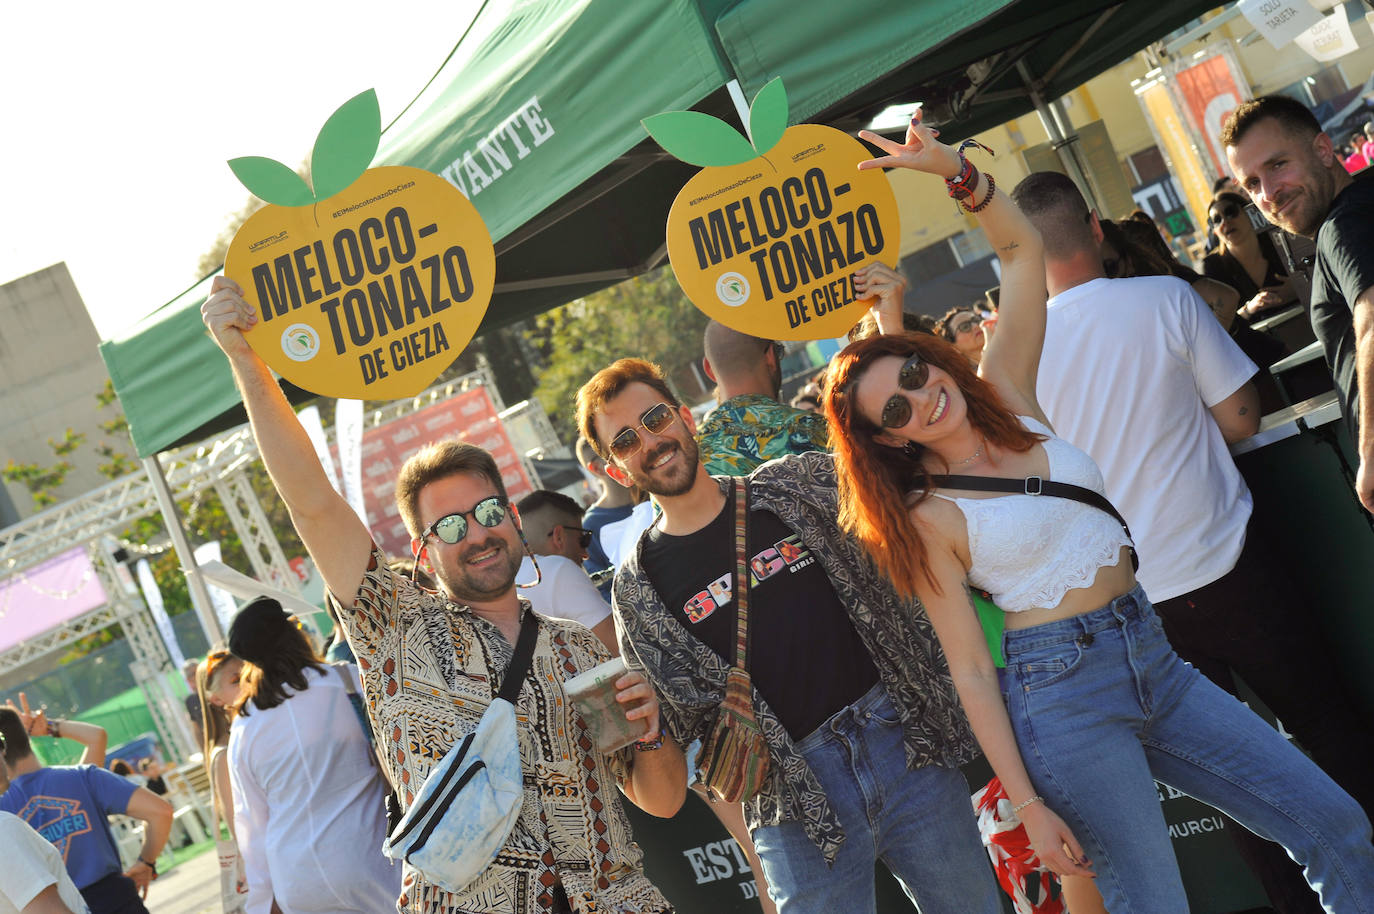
(655, 420)
(1222, 213)
(451, 528)
(913, 376)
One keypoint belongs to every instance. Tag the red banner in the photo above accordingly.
(1209, 93)
(469, 416)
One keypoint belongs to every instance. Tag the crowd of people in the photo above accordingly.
(1016, 530)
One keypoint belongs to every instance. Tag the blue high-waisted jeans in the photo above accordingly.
(1102, 707)
(920, 823)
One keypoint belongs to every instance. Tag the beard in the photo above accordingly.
(1313, 203)
(466, 586)
(679, 480)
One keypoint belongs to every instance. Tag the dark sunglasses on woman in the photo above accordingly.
(913, 376)
(1222, 213)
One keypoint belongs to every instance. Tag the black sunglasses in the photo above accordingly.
(1221, 214)
(451, 528)
(913, 376)
(655, 420)
(584, 536)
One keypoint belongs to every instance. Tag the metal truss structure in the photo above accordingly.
(93, 521)
(96, 518)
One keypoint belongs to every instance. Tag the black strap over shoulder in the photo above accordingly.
(520, 661)
(1034, 485)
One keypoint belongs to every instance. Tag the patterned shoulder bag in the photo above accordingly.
(734, 757)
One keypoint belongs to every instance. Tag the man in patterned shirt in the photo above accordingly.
(750, 426)
(854, 697)
(432, 661)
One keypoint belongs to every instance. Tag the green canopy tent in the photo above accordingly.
(536, 115)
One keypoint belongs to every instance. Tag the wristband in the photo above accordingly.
(1022, 805)
(992, 188)
(649, 745)
(55, 729)
(151, 866)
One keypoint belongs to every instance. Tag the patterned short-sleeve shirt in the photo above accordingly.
(429, 668)
(749, 430)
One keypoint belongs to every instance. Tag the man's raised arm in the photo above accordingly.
(337, 540)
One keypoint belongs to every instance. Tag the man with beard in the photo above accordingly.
(864, 730)
(1290, 169)
(431, 662)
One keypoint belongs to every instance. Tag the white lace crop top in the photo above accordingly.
(1030, 550)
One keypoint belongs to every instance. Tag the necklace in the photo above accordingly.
(971, 458)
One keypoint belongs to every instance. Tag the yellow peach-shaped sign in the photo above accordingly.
(368, 285)
(378, 297)
(768, 244)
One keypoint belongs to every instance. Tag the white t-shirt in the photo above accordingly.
(308, 805)
(1129, 371)
(32, 864)
(564, 592)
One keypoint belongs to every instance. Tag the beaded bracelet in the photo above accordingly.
(992, 188)
(962, 186)
(1015, 810)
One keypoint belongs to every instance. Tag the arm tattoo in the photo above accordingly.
(1011, 247)
(1244, 410)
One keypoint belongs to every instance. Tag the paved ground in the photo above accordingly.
(191, 887)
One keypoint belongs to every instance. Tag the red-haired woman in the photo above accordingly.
(1094, 705)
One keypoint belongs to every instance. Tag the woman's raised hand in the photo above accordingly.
(921, 152)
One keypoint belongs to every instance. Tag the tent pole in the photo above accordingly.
(741, 103)
(1062, 144)
(200, 596)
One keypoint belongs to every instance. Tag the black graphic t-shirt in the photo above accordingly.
(805, 657)
(1343, 271)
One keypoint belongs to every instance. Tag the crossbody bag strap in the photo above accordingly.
(741, 572)
(1035, 485)
(520, 660)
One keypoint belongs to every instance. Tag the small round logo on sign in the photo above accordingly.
(732, 289)
(300, 342)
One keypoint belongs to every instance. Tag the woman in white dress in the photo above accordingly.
(308, 801)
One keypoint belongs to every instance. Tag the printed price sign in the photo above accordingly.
(368, 285)
(767, 236)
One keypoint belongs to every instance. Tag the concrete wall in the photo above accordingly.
(50, 372)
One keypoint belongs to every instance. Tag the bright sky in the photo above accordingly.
(118, 119)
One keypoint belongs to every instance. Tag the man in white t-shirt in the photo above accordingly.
(552, 524)
(1138, 373)
(33, 880)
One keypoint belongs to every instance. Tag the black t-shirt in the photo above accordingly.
(805, 657)
(1344, 269)
(1222, 267)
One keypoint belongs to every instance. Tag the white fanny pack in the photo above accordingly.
(468, 805)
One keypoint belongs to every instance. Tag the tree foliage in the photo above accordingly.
(647, 316)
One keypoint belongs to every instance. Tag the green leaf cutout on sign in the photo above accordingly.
(699, 139)
(346, 144)
(768, 116)
(271, 181)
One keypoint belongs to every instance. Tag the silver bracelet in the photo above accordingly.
(1016, 810)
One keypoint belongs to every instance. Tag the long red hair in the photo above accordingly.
(879, 484)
